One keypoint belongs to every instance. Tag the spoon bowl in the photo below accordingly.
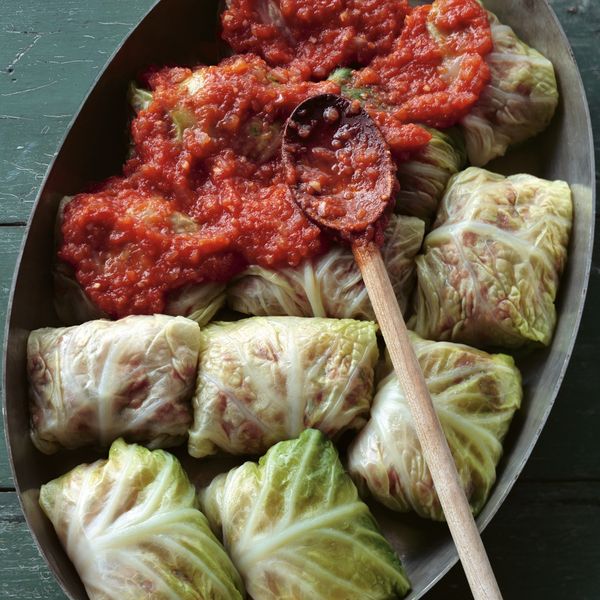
(338, 165)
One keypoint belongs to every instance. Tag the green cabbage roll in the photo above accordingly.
(517, 104)
(490, 268)
(475, 395)
(330, 285)
(93, 383)
(132, 528)
(198, 302)
(263, 380)
(296, 528)
(423, 177)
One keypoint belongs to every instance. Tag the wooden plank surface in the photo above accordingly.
(544, 540)
(23, 573)
(558, 524)
(10, 243)
(50, 54)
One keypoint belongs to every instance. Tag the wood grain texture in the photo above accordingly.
(544, 540)
(10, 243)
(23, 574)
(50, 53)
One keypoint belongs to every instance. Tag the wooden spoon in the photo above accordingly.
(343, 178)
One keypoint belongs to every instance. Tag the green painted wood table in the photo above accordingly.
(544, 542)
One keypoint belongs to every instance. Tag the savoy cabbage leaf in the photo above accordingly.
(296, 528)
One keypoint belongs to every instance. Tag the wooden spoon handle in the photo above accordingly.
(431, 436)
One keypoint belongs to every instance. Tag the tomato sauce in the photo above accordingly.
(131, 249)
(436, 70)
(206, 152)
(204, 193)
(314, 36)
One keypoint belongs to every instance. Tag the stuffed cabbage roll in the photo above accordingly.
(133, 530)
(198, 302)
(517, 104)
(296, 528)
(95, 382)
(475, 395)
(330, 285)
(490, 268)
(423, 178)
(263, 380)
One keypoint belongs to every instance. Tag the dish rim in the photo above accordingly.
(492, 507)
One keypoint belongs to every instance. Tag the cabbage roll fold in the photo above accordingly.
(263, 380)
(296, 528)
(490, 268)
(330, 285)
(199, 302)
(95, 382)
(132, 528)
(517, 104)
(424, 176)
(475, 396)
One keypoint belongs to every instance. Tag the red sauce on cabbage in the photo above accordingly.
(204, 193)
(314, 36)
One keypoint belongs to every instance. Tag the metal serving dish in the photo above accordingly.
(183, 31)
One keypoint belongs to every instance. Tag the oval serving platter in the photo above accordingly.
(95, 147)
